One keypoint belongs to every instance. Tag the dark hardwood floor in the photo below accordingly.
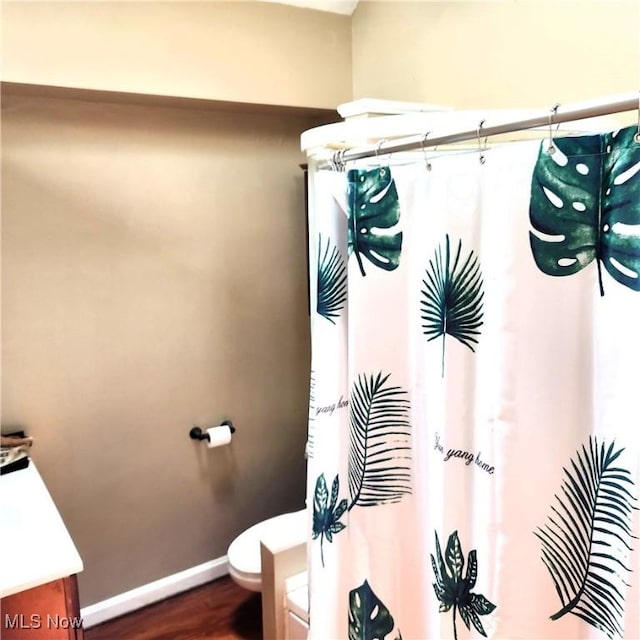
(219, 610)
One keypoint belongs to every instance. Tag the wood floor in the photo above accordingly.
(219, 610)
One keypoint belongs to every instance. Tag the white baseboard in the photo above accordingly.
(153, 592)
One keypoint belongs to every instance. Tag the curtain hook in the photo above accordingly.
(553, 111)
(378, 146)
(480, 149)
(343, 164)
(637, 136)
(424, 152)
(335, 160)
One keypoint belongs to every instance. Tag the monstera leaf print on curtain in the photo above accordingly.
(374, 212)
(369, 618)
(585, 207)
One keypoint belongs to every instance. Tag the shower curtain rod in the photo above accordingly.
(556, 115)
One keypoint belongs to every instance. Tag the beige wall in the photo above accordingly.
(154, 277)
(153, 267)
(237, 51)
(502, 54)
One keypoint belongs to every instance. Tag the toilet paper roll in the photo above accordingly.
(218, 436)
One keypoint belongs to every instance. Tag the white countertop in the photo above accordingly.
(35, 546)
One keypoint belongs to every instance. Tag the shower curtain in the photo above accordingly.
(474, 423)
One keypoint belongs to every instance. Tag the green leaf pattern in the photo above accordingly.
(585, 206)
(592, 518)
(452, 297)
(379, 456)
(327, 513)
(379, 442)
(454, 591)
(332, 281)
(373, 212)
(369, 618)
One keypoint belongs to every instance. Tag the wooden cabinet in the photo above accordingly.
(38, 563)
(48, 612)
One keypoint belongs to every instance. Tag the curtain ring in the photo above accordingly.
(424, 152)
(380, 167)
(335, 160)
(637, 136)
(554, 110)
(480, 149)
(343, 164)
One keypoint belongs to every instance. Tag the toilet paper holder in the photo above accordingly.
(197, 433)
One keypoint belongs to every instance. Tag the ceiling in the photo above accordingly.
(345, 7)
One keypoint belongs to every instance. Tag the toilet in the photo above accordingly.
(243, 556)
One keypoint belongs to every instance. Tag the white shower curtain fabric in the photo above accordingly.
(474, 433)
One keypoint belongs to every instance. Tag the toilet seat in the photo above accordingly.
(243, 556)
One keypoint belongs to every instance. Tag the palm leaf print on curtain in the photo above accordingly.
(373, 212)
(379, 455)
(332, 281)
(369, 618)
(452, 296)
(587, 538)
(379, 442)
(454, 591)
(584, 207)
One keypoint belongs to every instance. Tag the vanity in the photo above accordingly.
(38, 563)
